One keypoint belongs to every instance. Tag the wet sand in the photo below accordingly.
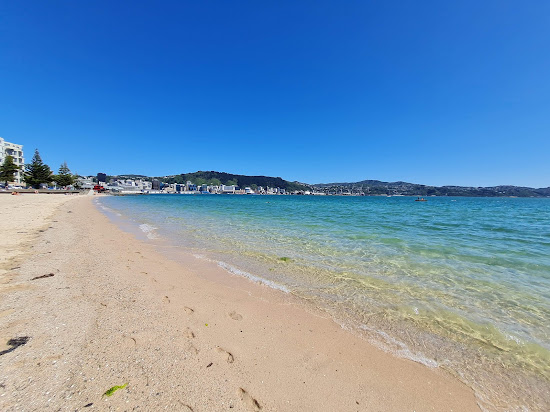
(112, 310)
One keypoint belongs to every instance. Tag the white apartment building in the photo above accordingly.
(15, 151)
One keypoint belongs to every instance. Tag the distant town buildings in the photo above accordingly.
(15, 151)
(86, 182)
(129, 185)
(141, 186)
(156, 184)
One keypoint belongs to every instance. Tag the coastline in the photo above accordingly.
(187, 337)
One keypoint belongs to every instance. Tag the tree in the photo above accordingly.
(37, 172)
(8, 169)
(64, 176)
(199, 181)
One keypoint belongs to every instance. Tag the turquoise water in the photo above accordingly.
(460, 283)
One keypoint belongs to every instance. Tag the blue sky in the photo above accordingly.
(429, 92)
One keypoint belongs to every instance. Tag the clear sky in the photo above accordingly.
(434, 92)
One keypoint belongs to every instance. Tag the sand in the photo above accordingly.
(113, 310)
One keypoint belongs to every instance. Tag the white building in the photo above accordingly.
(130, 185)
(228, 189)
(15, 151)
(86, 182)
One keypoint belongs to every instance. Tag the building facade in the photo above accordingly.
(15, 151)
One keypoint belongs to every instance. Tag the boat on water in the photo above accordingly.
(420, 199)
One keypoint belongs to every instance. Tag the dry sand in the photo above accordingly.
(183, 337)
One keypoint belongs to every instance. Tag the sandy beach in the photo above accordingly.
(112, 310)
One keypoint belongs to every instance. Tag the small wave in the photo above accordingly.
(252, 277)
(233, 270)
(396, 347)
(149, 230)
(105, 208)
(514, 339)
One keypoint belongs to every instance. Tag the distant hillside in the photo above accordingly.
(367, 187)
(377, 187)
(130, 176)
(217, 178)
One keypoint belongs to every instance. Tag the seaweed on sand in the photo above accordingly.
(112, 390)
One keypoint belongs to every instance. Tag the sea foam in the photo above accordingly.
(149, 230)
(233, 270)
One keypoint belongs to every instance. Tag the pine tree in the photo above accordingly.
(7, 170)
(64, 176)
(37, 172)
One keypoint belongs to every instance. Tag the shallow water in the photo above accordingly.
(461, 283)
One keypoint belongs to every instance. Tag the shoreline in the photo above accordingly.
(505, 371)
(116, 311)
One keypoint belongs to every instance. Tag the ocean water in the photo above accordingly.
(457, 283)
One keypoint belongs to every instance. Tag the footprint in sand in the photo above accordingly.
(191, 348)
(235, 316)
(189, 333)
(225, 354)
(166, 299)
(188, 310)
(251, 403)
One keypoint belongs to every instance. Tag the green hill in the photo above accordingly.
(222, 178)
(377, 187)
